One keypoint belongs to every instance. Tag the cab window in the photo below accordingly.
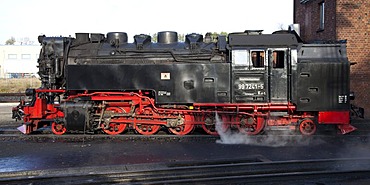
(240, 57)
(258, 59)
(278, 58)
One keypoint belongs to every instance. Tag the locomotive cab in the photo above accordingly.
(262, 67)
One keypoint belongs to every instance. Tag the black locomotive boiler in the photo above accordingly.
(251, 81)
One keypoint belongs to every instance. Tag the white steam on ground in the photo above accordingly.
(284, 138)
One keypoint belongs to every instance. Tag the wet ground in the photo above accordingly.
(41, 152)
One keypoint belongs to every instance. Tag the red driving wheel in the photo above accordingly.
(185, 128)
(114, 128)
(212, 124)
(251, 125)
(147, 129)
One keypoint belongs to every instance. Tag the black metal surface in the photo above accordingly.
(244, 39)
(116, 38)
(181, 83)
(322, 78)
(167, 37)
(322, 86)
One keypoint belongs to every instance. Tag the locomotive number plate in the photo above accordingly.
(250, 86)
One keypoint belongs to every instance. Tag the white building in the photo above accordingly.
(18, 61)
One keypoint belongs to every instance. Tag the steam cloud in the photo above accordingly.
(284, 138)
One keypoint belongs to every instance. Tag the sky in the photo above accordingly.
(30, 18)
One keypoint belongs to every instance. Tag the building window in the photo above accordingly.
(26, 56)
(12, 56)
(322, 15)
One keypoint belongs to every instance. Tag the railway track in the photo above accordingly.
(260, 140)
(254, 170)
(10, 97)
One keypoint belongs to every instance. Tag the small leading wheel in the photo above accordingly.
(58, 128)
(113, 128)
(251, 125)
(307, 127)
(185, 128)
(146, 129)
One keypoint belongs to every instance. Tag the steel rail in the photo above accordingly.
(10, 97)
(217, 172)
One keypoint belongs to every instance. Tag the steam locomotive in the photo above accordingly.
(250, 81)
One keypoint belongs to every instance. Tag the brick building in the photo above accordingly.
(341, 20)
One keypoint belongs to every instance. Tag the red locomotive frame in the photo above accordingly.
(118, 110)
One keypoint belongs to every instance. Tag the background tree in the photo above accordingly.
(214, 35)
(154, 37)
(10, 41)
(181, 37)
